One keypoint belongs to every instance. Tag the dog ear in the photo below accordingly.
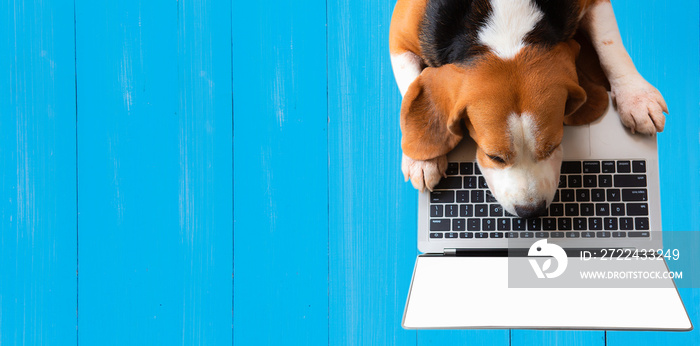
(592, 80)
(431, 113)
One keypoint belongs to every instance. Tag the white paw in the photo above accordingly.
(640, 105)
(424, 174)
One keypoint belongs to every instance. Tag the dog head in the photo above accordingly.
(515, 111)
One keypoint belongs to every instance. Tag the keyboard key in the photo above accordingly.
(556, 234)
(442, 197)
(435, 211)
(477, 196)
(549, 224)
(436, 235)
(496, 235)
(541, 235)
(634, 209)
(639, 167)
(638, 234)
(626, 223)
(527, 235)
(481, 235)
(556, 209)
(591, 167)
(466, 235)
(583, 195)
(598, 195)
(564, 224)
(452, 168)
(466, 168)
(458, 225)
(590, 180)
(587, 209)
(503, 224)
(476, 169)
(440, 225)
(610, 223)
(605, 180)
(587, 234)
(511, 234)
(602, 234)
(631, 180)
(580, 223)
(451, 210)
(534, 224)
(481, 210)
(462, 196)
(619, 234)
(623, 167)
(571, 167)
(641, 223)
(488, 224)
(571, 209)
(613, 195)
(608, 167)
(556, 196)
(602, 209)
(466, 210)
(567, 195)
(634, 195)
(470, 182)
(562, 181)
(575, 181)
(573, 235)
(451, 235)
(490, 198)
(449, 183)
(617, 209)
(595, 224)
(482, 183)
(473, 225)
(519, 224)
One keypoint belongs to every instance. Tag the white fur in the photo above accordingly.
(527, 181)
(508, 24)
(424, 174)
(407, 67)
(640, 105)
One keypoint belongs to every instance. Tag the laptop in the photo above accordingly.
(481, 268)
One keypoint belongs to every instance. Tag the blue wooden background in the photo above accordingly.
(217, 172)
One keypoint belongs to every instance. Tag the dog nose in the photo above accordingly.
(528, 211)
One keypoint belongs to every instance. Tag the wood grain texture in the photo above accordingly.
(280, 175)
(37, 174)
(154, 172)
(663, 39)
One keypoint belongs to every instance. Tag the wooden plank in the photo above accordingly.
(662, 38)
(38, 290)
(280, 175)
(154, 169)
(372, 211)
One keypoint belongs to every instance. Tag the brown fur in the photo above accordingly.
(552, 84)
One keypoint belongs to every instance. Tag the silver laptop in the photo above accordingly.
(484, 268)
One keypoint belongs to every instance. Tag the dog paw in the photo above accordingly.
(640, 105)
(424, 174)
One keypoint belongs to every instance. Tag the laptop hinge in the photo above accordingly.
(450, 252)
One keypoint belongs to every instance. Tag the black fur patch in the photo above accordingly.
(558, 25)
(450, 28)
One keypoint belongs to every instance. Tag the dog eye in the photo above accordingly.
(496, 158)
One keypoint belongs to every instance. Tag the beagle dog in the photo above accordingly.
(512, 73)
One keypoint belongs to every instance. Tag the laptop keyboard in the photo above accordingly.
(595, 199)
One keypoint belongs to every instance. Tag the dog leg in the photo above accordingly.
(423, 174)
(640, 105)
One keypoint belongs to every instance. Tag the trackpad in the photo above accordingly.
(473, 292)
